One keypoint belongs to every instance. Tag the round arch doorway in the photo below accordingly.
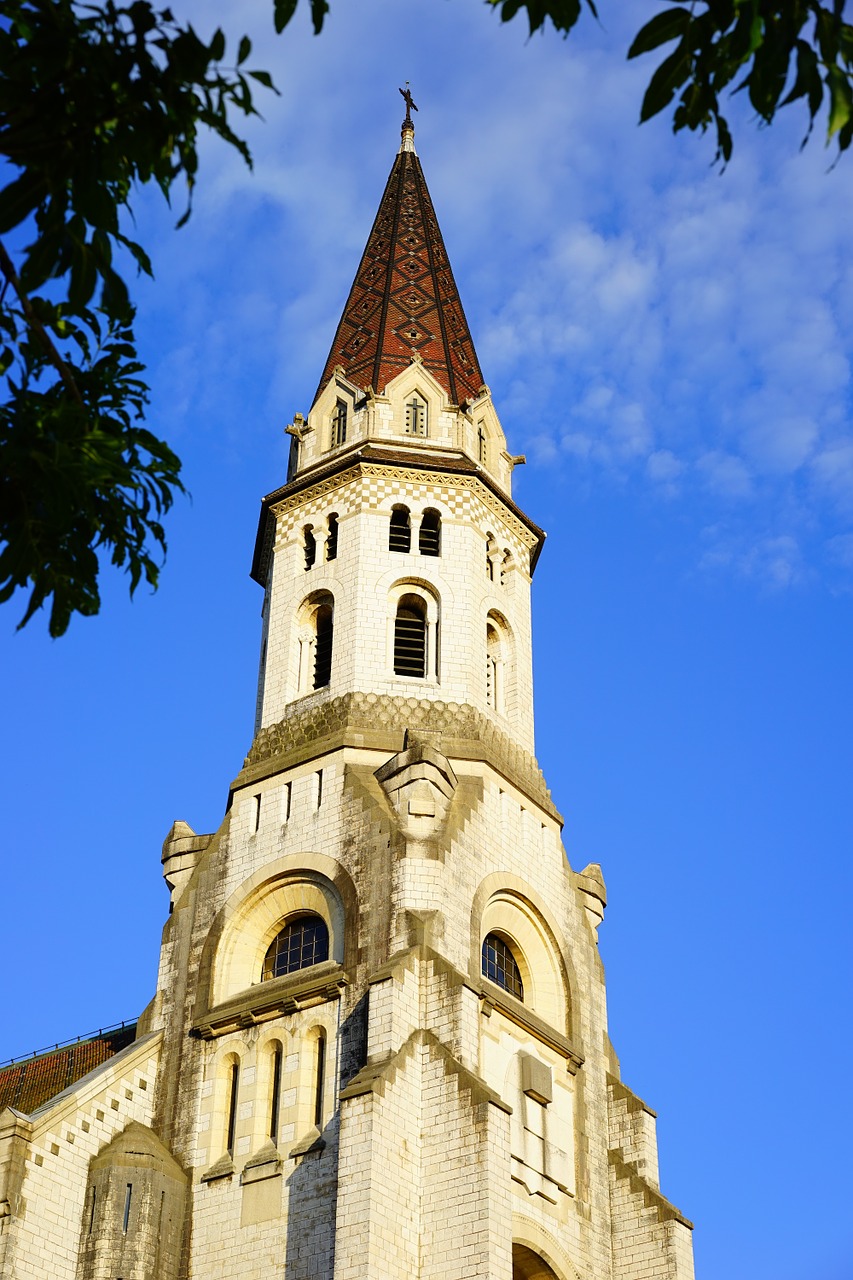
(527, 1265)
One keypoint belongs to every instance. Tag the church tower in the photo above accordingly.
(378, 1048)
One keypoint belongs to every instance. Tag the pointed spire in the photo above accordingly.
(404, 304)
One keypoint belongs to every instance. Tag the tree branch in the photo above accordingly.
(8, 269)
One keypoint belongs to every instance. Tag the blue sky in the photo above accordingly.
(671, 348)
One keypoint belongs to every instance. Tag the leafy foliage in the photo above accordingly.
(796, 45)
(96, 99)
(800, 46)
(78, 471)
(93, 101)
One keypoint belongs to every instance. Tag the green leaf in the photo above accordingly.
(264, 78)
(671, 73)
(664, 27)
(244, 51)
(217, 45)
(840, 100)
(19, 198)
(283, 11)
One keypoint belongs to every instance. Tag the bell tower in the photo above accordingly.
(378, 1049)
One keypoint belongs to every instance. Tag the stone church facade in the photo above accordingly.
(378, 1047)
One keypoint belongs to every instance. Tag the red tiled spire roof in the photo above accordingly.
(404, 299)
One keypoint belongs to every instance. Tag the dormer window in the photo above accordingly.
(416, 415)
(339, 424)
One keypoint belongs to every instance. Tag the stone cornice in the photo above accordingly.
(494, 998)
(272, 999)
(455, 469)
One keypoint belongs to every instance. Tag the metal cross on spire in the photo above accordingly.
(410, 104)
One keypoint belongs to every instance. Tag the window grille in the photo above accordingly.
(323, 646)
(429, 537)
(301, 943)
(332, 540)
(410, 641)
(339, 424)
(400, 530)
(499, 966)
(416, 416)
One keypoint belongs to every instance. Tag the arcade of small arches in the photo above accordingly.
(408, 532)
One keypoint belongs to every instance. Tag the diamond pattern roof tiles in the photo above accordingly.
(404, 298)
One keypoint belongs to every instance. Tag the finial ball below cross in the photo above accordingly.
(410, 103)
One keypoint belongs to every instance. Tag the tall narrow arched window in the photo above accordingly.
(275, 1090)
(303, 941)
(309, 546)
(491, 549)
(323, 645)
(494, 669)
(314, 636)
(319, 1078)
(332, 539)
(339, 423)
(233, 1095)
(400, 530)
(416, 415)
(429, 537)
(410, 633)
(481, 443)
(500, 966)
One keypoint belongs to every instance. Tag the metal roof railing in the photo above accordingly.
(65, 1044)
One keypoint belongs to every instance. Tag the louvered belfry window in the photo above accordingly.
(323, 646)
(400, 530)
(339, 424)
(410, 638)
(499, 965)
(302, 942)
(429, 537)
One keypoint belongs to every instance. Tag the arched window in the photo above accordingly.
(494, 669)
(491, 549)
(400, 530)
(506, 567)
(410, 632)
(314, 636)
(499, 965)
(323, 646)
(309, 546)
(339, 423)
(233, 1096)
(481, 443)
(429, 538)
(527, 1265)
(332, 539)
(303, 941)
(416, 415)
